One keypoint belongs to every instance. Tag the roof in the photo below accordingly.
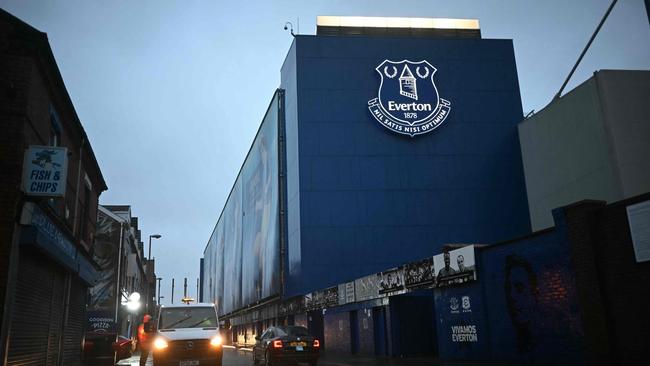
(118, 208)
(33, 36)
(397, 27)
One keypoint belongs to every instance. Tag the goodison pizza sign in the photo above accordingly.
(408, 101)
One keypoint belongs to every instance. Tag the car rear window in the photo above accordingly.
(190, 317)
(293, 331)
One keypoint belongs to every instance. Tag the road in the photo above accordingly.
(233, 357)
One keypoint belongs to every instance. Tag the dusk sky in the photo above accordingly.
(171, 93)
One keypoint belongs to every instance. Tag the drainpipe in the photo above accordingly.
(76, 196)
(118, 292)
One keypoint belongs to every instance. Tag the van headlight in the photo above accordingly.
(160, 343)
(216, 341)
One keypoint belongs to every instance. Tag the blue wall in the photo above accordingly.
(458, 308)
(361, 198)
(528, 287)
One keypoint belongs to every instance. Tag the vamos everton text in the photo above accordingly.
(44, 181)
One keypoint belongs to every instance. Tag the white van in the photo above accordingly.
(187, 335)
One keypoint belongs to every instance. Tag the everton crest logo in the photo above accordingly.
(408, 101)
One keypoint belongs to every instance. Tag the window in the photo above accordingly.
(55, 128)
(85, 212)
(188, 317)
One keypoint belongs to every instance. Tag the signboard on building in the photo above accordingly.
(106, 253)
(346, 293)
(322, 299)
(420, 274)
(101, 322)
(391, 281)
(45, 170)
(638, 217)
(408, 101)
(455, 267)
(366, 288)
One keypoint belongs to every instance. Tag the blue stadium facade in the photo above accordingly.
(362, 198)
(335, 188)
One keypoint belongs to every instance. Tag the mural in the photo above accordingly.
(532, 301)
(521, 291)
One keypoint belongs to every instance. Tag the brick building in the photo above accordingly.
(46, 242)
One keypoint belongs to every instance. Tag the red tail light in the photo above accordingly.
(316, 343)
(277, 344)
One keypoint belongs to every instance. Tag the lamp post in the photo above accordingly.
(159, 297)
(155, 236)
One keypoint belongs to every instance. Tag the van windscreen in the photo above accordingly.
(190, 317)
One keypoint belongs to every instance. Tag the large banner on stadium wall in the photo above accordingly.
(366, 288)
(455, 266)
(242, 258)
(391, 282)
(420, 274)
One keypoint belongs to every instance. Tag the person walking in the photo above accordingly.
(144, 338)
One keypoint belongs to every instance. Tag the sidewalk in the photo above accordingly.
(134, 360)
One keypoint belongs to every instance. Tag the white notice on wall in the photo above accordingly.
(638, 216)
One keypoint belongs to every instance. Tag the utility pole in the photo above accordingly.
(185, 288)
(172, 290)
(159, 279)
(197, 289)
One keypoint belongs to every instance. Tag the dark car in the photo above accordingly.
(123, 348)
(103, 349)
(288, 344)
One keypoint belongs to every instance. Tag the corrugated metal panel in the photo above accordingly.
(37, 311)
(57, 303)
(73, 331)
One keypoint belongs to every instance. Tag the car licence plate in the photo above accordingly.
(299, 348)
(189, 363)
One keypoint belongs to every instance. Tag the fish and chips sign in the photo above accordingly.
(45, 171)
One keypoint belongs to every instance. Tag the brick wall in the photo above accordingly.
(365, 325)
(624, 283)
(337, 332)
(12, 101)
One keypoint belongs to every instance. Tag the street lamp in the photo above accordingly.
(155, 236)
(132, 302)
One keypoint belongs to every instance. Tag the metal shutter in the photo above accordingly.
(37, 312)
(73, 330)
